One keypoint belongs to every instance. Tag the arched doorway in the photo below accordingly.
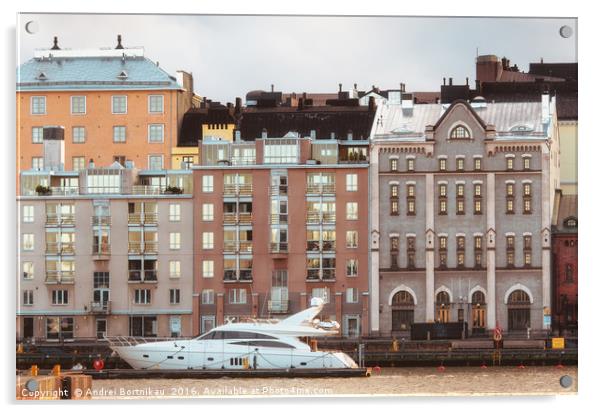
(443, 306)
(402, 311)
(478, 305)
(519, 310)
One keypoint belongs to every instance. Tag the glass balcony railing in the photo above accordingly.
(317, 245)
(231, 275)
(278, 306)
(62, 219)
(278, 218)
(317, 217)
(100, 307)
(279, 247)
(321, 189)
(148, 247)
(60, 248)
(324, 274)
(60, 277)
(101, 249)
(232, 218)
(142, 276)
(138, 218)
(238, 189)
(240, 246)
(101, 220)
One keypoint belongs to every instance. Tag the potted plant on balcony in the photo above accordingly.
(43, 190)
(174, 190)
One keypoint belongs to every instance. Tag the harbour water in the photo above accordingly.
(419, 381)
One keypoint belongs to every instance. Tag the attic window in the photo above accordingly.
(570, 222)
(42, 76)
(459, 132)
(123, 75)
(521, 129)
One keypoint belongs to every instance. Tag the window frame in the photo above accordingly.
(31, 105)
(113, 104)
(150, 105)
(71, 98)
(149, 135)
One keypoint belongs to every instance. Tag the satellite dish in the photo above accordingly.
(31, 27)
(566, 31)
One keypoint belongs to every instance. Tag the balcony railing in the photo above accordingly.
(231, 275)
(232, 218)
(60, 277)
(278, 306)
(241, 246)
(142, 276)
(137, 247)
(325, 245)
(324, 274)
(317, 217)
(138, 218)
(278, 218)
(320, 189)
(60, 248)
(64, 190)
(101, 220)
(147, 190)
(101, 249)
(100, 307)
(279, 190)
(279, 247)
(63, 219)
(238, 189)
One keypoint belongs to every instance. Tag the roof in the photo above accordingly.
(96, 73)
(195, 118)
(511, 76)
(393, 120)
(566, 207)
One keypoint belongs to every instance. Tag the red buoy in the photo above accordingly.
(98, 364)
(483, 366)
(521, 365)
(376, 370)
(441, 367)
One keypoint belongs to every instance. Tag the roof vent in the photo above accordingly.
(42, 76)
(119, 46)
(478, 102)
(123, 75)
(56, 44)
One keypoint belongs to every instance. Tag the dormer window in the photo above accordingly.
(459, 132)
(123, 75)
(518, 129)
(570, 222)
(42, 76)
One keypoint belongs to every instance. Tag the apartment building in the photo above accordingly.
(281, 216)
(103, 250)
(115, 105)
(461, 209)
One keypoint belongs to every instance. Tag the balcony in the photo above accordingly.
(64, 190)
(320, 189)
(279, 190)
(100, 307)
(142, 276)
(231, 275)
(317, 217)
(148, 247)
(279, 247)
(232, 218)
(60, 277)
(324, 274)
(147, 190)
(138, 218)
(101, 251)
(278, 219)
(324, 246)
(63, 219)
(278, 306)
(59, 248)
(101, 220)
(238, 189)
(241, 246)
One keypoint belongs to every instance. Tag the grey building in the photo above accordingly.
(460, 213)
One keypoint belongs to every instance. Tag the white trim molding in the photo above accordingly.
(510, 155)
(460, 156)
(518, 286)
(411, 183)
(460, 182)
(441, 182)
(410, 156)
(477, 234)
(393, 183)
(509, 181)
(477, 156)
(393, 234)
(399, 288)
(460, 234)
(410, 234)
(442, 157)
(527, 233)
(527, 181)
(447, 290)
(442, 234)
(474, 290)
(526, 155)
(393, 156)
(477, 182)
(510, 234)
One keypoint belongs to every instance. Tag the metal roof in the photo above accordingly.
(92, 73)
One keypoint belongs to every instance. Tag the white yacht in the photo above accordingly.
(267, 344)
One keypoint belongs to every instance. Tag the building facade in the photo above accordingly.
(461, 208)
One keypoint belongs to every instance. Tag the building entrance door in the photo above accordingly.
(27, 327)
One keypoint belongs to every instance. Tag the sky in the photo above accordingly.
(231, 55)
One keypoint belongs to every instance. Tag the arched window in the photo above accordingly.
(519, 297)
(459, 132)
(478, 312)
(478, 298)
(402, 298)
(570, 222)
(402, 311)
(519, 310)
(442, 301)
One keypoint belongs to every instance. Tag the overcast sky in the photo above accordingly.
(230, 55)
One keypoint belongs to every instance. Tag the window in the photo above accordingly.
(60, 297)
(174, 296)
(527, 162)
(208, 269)
(174, 240)
(411, 252)
(509, 197)
(78, 134)
(142, 296)
(411, 207)
(411, 190)
(509, 206)
(394, 207)
(155, 104)
(526, 205)
(460, 245)
(28, 242)
(477, 190)
(459, 164)
(393, 164)
(410, 164)
(478, 251)
(509, 163)
(527, 242)
(237, 296)
(394, 190)
(510, 250)
(27, 213)
(352, 239)
(79, 163)
(37, 163)
(207, 240)
(351, 182)
(28, 297)
(442, 207)
(155, 133)
(78, 105)
(442, 164)
(568, 273)
(207, 212)
(442, 190)
(352, 267)
(323, 293)
(442, 251)
(509, 189)
(459, 132)
(410, 200)
(527, 189)
(28, 270)
(352, 212)
(477, 164)
(460, 190)
(174, 269)
(352, 295)
(37, 134)
(570, 223)
(174, 212)
(207, 297)
(155, 162)
(119, 104)
(38, 105)
(207, 183)
(118, 134)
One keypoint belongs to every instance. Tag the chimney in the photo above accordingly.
(272, 87)
(349, 135)
(312, 134)
(466, 81)
(56, 44)
(238, 105)
(451, 81)
(119, 46)
(545, 107)
(340, 87)
(300, 103)
(54, 148)
(264, 133)
(407, 103)
(91, 164)
(540, 59)
(355, 86)
(402, 87)
(237, 135)
(371, 104)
